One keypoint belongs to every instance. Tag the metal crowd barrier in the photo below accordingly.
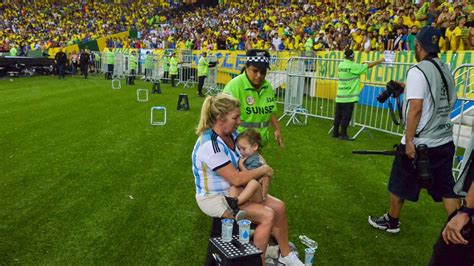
(103, 63)
(157, 71)
(119, 66)
(187, 70)
(210, 83)
(463, 115)
(312, 88)
(369, 113)
(152, 67)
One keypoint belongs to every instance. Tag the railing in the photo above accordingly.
(463, 115)
(312, 87)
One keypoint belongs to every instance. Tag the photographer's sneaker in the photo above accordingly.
(291, 260)
(385, 223)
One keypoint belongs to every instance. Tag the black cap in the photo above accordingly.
(349, 54)
(428, 38)
(258, 58)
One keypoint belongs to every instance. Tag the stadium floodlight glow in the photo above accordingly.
(116, 84)
(139, 97)
(152, 116)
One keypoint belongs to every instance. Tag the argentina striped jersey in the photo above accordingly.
(210, 153)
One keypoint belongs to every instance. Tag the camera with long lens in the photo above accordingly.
(391, 89)
(421, 162)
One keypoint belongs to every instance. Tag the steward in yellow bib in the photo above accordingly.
(257, 100)
(149, 64)
(132, 67)
(173, 68)
(348, 89)
(110, 62)
(166, 67)
(203, 70)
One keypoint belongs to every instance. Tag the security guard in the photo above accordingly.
(149, 65)
(132, 66)
(173, 68)
(257, 101)
(110, 62)
(203, 71)
(348, 89)
(166, 68)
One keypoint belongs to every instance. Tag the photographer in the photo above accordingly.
(429, 98)
(455, 245)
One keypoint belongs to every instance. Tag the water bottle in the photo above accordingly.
(308, 242)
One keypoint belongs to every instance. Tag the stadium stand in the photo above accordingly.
(236, 25)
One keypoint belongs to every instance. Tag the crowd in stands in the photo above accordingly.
(301, 26)
(38, 26)
(305, 26)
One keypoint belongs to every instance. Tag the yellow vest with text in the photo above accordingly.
(348, 85)
(203, 67)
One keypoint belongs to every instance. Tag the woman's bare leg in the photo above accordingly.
(280, 224)
(263, 217)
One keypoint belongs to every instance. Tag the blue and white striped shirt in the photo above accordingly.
(210, 154)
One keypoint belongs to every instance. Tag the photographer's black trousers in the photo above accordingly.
(342, 118)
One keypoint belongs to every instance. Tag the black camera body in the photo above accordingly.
(391, 89)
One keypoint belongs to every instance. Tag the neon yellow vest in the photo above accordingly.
(132, 62)
(348, 86)
(110, 57)
(166, 67)
(203, 67)
(173, 66)
(256, 107)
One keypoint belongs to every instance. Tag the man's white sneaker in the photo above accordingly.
(291, 260)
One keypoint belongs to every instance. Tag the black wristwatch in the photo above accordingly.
(468, 211)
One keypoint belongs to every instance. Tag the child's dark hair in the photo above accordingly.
(252, 136)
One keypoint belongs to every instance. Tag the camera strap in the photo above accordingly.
(392, 112)
(442, 77)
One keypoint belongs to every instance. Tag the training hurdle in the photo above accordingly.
(139, 92)
(183, 102)
(152, 115)
(116, 84)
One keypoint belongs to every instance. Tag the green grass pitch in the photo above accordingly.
(85, 179)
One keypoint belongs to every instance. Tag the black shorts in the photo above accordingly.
(404, 181)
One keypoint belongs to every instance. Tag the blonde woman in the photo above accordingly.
(215, 160)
